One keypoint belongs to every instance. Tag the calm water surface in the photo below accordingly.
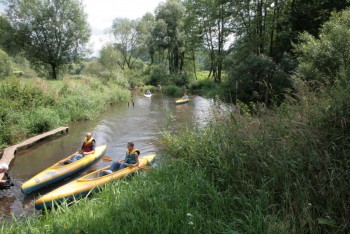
(142, 123)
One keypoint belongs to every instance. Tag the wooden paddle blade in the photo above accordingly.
(107, 159)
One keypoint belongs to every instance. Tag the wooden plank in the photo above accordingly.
(10, 152)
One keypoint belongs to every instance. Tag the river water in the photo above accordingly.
(142, 121)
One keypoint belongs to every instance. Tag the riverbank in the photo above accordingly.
(283, 172)
(30, 106)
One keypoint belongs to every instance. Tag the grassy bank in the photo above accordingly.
(32, 106)
(286, 171)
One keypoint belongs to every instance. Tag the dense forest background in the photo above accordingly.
(247, 50)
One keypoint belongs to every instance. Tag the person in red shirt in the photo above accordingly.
(88, 147)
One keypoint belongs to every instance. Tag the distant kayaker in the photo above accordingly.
(148, 92)
(3, 168)
(131, 159)
(185, 96)
(88, 147)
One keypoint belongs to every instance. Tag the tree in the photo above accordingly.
(126, 41)
(8, 37)
(168, 34)
(52, 32)
(327, 58)
(108, 57)
(214, 19)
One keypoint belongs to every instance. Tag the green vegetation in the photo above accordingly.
(60, 28)
(283, 172)
(280, 164)
(32, 106)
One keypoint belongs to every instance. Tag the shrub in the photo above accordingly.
(172, 90)
(159, 75)
(259, 79)
(5, 65)
(41, 120)
(323, 59)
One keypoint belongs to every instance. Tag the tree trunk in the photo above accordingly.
(54, 71)
(194, 64)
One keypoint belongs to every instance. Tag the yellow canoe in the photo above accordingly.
(85, 184)
(59, 171)
(182, 101)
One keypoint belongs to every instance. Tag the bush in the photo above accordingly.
(5, 65)
(181, 79)
(259, 79)
(32, 106)
(159, 75)
(41, 120)
(323, 59)
(172, 90)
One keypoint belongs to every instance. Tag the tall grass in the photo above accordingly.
(286, 171)
(32, 106)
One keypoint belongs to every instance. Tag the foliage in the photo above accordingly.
(172, 90)
(212, 23)
(51, 32)
(126, 41)
(5, 65)
(168, 34)
(258, 79)
(180, 79)
(284, 172)
(325, 58)
(32, 106)
(8, 37)
(151, 88)
(158, 75)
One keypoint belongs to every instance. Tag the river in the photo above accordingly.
(141, 121)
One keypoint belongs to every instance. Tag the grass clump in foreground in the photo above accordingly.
(32, 106)
(286, 171)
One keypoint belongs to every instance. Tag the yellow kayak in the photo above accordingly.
(182, 101)
(85, 184)
(59, 171)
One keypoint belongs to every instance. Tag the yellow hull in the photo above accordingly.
(59, 171)
(86, 183)
(182, 101)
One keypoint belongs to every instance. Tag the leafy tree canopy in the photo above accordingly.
(52, 32)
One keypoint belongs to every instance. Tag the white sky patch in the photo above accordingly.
(101, 14)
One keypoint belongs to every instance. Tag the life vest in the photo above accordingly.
(87, 146)
(130, 156)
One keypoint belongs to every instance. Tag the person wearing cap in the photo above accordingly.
(88, 147)
(3, 168)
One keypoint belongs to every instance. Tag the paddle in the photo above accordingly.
(109, 159)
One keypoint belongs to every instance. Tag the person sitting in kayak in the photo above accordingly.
(185, 96)
(148, 91)
(131, 160)
(88, 147)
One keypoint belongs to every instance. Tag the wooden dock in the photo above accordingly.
(10, 152)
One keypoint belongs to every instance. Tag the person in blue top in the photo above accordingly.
(131, 160)
(148, 92)
(185, 96)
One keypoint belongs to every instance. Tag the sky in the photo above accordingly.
(101, 14)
